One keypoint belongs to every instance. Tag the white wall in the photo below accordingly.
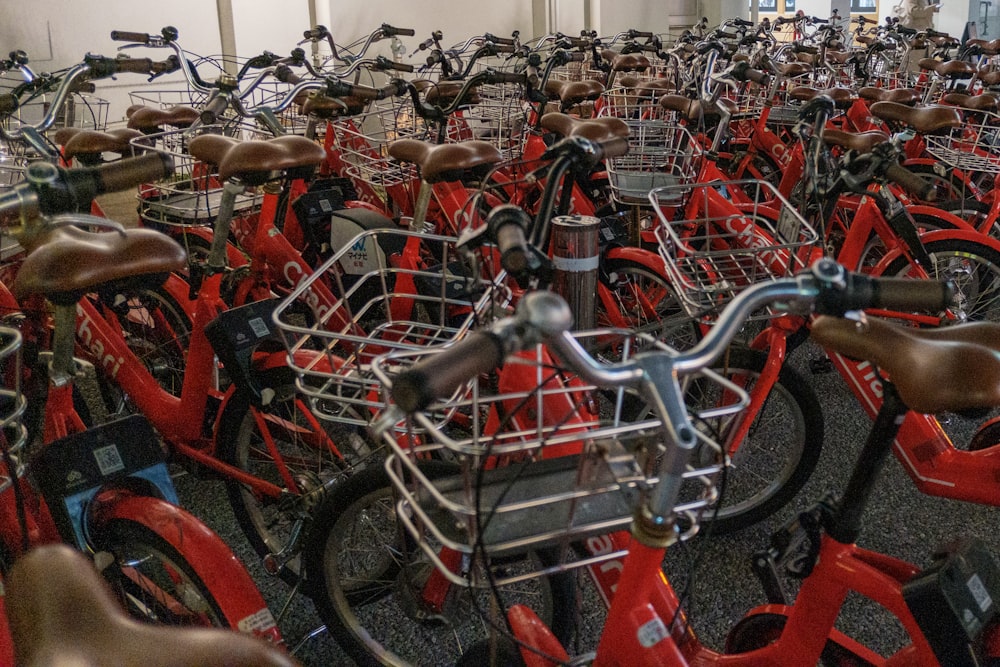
(57, 33)
(717, 11)
(614, 16)
(457, 19)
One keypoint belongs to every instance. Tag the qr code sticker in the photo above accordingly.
(109, 460)
(259, 327)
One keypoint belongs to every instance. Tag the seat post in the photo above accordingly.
(846, 524)
(62, 368)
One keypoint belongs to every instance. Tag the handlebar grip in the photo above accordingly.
(911, 182)
(506, 224)
(576, 56)
(284, 74)
(171, 64)
(389, 31)
(8, 104)
(505, 41)
(640, 34)
(125, 36)
(368, 93)
(132, 172)
(386, 64)
(211, 112)
(743, 72)
(508, 77)
(439, 375)
(134, 65)
(316, 32)
(912, 295)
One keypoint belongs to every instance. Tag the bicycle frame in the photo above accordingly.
(181, 419)
(646, 625)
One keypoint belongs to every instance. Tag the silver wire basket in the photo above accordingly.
(395, 289)
(719, 238)
(543, 460)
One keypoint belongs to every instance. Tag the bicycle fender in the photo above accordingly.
(180, 291)
(210, 557)
(646, 258)
(533, 632)
(951, 219)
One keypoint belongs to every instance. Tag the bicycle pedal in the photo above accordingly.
(820, 365)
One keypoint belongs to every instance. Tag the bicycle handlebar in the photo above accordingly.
(337, 88)
(499, 41)
(390, 31)
(167, 34)
(50, 190)
(125, 36)
(545, 317)
(76, 77)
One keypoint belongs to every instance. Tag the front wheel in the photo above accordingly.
(780, 451)
(633, 296)
(367, 578)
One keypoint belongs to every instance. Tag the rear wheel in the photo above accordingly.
(973, 267)
(154, 582)
(285, 445)
(158, 332)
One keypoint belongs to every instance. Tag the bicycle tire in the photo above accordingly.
(973, 211)
(156, 582)
(157, 330)
(766, 472)
(373, 614)
(268, 522)
(975, 268)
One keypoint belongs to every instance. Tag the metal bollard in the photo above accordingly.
(575, 255)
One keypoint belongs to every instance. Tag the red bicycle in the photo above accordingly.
(646, 623)
(105, 490)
